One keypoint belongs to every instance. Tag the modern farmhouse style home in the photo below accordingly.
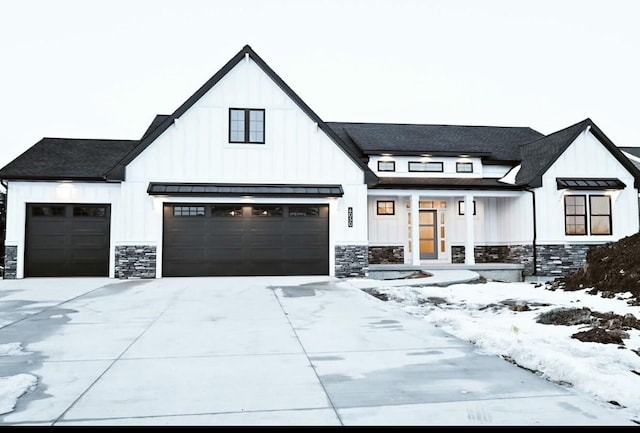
(245, 179)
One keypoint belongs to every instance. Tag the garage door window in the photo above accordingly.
(226, 211)
(89, 211)
(186, 211)
(304, 211)
(266, 211)
(47, 211)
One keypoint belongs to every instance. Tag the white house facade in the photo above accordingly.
(245, 179)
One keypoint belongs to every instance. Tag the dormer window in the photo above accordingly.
(426, 166)
(386, 166)
(464, 167)
(246, 125)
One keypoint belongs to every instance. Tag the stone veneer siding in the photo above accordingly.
(551, 261)
(10, 262)
(561, 260)
(520, 254)
(352, 261)
(135, 261)
(386, 255)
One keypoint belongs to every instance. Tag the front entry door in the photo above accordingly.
(428, 234)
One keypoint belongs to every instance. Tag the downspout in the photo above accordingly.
(3, 239)
(535, 253)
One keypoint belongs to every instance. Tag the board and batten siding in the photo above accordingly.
(21, 193)
(196, 148)
(585, 157)
(388, 230)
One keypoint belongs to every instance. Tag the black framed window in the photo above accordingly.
(386, 207)
(48, 211)
(600, 214)
(188, 211)
(575, 215)
(464, 167)
(434, 167)
(246, 125)
(386, 166)
(461, 207)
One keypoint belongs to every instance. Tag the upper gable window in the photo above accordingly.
(426, 166)
(246, 125)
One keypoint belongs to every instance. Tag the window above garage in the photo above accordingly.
(246, 125)
(242, 190)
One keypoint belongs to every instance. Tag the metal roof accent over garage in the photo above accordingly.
(226, 189)
(589, 183)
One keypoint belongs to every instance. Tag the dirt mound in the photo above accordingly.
(610, 269)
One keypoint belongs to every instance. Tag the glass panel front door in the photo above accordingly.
(428, 234)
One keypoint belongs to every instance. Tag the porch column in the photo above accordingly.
(469, 256)
(415, 229)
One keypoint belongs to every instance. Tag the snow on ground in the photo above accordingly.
(12, 387)
(473, 312)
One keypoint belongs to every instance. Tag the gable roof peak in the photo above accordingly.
(152, 133)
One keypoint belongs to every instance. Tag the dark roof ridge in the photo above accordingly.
(587, 121)
(87, 139)
(533, 177)
(425, 124)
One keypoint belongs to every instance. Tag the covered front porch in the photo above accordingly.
(432, 228)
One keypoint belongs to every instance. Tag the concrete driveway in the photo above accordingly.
(255, 351)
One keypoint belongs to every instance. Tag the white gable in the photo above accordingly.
(587, 157)
(196, 147)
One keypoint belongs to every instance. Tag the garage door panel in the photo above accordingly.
(47, 241)
(222, 240)
(303, 253)
(225, 254)
(263, 240)
(311, 239)
(64, 242)
(185, 254)
(265, 225)
(250, 242)
(187, 240)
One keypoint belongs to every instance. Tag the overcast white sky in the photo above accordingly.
(103, 69)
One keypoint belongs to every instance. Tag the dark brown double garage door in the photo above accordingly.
(67, 240)
(240, 239)
(64, 240)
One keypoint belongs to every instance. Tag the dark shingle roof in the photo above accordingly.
(635, 151)
(68, 159)
(154, 124)
(496, 142)
(539, 155)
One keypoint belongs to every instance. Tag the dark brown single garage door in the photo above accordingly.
(67, 240)
(239, 239)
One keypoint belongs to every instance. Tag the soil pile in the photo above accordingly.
(610, 269)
